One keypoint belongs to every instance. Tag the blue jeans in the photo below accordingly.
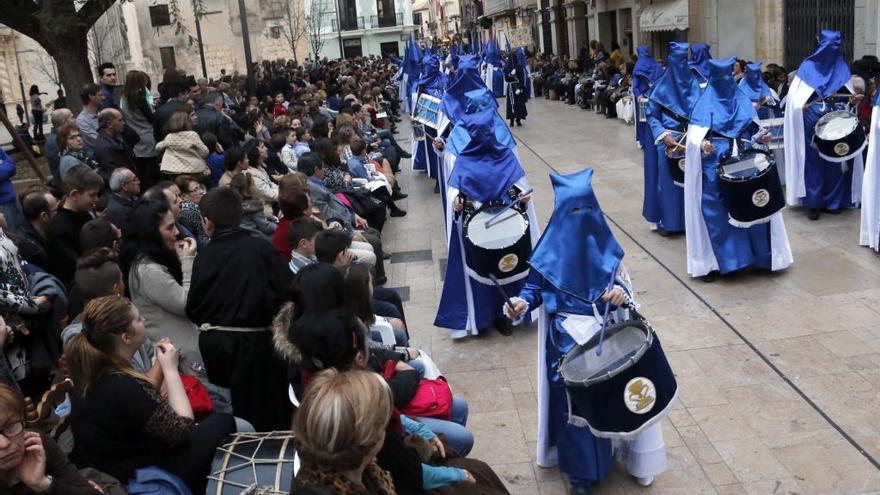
(400, 337)
(458, 437)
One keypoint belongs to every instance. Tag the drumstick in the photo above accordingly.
(501, 291)
(511, 205)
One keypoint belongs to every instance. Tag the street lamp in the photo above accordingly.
(248, 60)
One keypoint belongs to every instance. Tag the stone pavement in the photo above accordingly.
(777, 372)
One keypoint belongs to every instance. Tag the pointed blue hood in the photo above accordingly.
(753, 85)
(723, 107)
(645, 72)
(699, 60)
(475, 100)
(677, 89)
(826, 71)
(485, 168)
(466, 78)
(577, 253)
(431, 77)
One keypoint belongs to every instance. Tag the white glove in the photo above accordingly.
(519, 92)
(513, 71)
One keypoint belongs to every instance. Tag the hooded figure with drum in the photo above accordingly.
(823, 137)
(580, 285)
(491, 225)
(429, 122)
(766, 103)
(733, 196)
(669, 106)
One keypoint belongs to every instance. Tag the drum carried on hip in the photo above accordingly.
(675, 158)
(643, 108)
(839, 136)
(497, 242)
(263, 460)
(750, 187)
(622, 384)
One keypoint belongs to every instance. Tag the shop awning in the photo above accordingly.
(664, 16)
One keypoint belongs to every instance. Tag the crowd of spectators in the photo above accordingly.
(197, 239)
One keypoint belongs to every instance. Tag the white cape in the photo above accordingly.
(870, 226)
(700, 256)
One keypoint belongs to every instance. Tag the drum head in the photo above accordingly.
(747, 165)
(501, 233)
(836, 125)
(622, 345)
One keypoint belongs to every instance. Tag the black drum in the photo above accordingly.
(750, 187)
(499, 246)
(839, 136)
(263, 460)
(675, 159)
(625, 389)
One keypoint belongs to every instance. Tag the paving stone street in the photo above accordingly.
(777, 372)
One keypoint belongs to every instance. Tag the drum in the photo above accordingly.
(262, 460)
(750, 186)
(643, 108)
(625, 389)
(675, 159)
(839, 136)
(499, 246)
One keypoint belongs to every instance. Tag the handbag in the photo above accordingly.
(198, 396)
(432, 399)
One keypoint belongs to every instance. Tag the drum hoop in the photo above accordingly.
(740, 180)
(581, 349)
(828, 117)
(479, 210)
(242, 438)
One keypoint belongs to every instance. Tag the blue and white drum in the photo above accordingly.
(497, 245)
(266, 461)
(625, 389)
(750, 187)
(839, 136)
(675, 158)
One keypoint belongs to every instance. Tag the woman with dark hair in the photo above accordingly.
(266, 189)
(739, 70)
(335, 178)
(359, 298)
(157, 266)
(37, 112)
(254, 215)
(120, 422)
(321, 127)
(136, 105)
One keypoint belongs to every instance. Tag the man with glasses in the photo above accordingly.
(124, 188)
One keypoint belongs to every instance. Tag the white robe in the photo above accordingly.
(870, 222)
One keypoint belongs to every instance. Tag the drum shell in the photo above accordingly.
(485, 262)
(276, 454)
(676, 169)
(854, 141)
(739, 196)
(602, 404)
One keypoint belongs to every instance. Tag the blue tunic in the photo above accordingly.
(827, 185)
(584, 458)
(664, 201)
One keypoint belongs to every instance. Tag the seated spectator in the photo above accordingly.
(359, 297)
(235, 161)
(288, 152)
(87, 121)
(303, 137)
(81, 188)
(39, 207)
(185, 152)
(99, 233)
(70, 142)
(294, 202)
(254, 209)
(157, 266)
(120, 421)
(362, 167)
(59, 117)
(266, 189)
(238, 284)
(111, 151)
(124, 189)
(191, 193)
(302, 233)
(340, 428)
(31, 462)
(214, 160)
(168, 192)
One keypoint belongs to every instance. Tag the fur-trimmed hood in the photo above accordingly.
(281, 332)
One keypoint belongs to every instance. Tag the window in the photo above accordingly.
(275, 32)
(169, 61)
(159, 16)
(417, 18)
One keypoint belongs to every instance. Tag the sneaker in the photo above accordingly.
(646, 481)
(399, 195)
(397, 212)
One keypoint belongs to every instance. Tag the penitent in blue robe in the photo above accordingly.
(828, 186)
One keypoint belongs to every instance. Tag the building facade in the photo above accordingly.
(362, 27)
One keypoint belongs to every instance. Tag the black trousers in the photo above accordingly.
(192, 463)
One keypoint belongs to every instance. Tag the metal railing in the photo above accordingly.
(350, 24)
(391, 20)
(496, 6)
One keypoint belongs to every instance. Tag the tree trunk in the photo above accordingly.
(72, 59)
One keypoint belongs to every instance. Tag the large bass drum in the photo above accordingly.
(497, 245)
(627, 387)
(839, 136)
(262, 460)
(750, 187)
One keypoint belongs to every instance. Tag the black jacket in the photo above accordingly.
(210, 120)
(112, 153)
(162, 114)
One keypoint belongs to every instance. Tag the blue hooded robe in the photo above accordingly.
(433, 82)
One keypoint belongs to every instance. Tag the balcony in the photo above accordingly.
(350, 24)
(383, 21)
(493, 7)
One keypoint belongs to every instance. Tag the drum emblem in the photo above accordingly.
(640, 395)
(681, 164)
(508, 263)
(761, 198)
(842, 149)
